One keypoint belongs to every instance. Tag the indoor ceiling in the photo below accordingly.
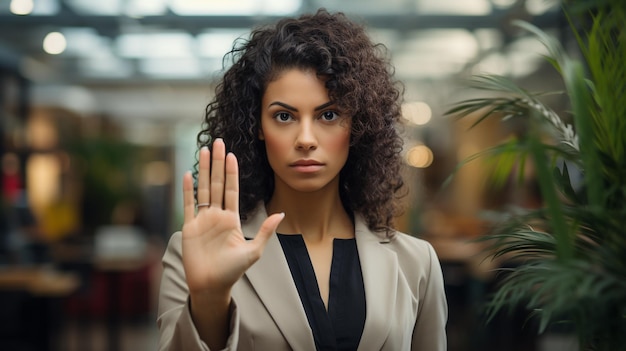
(130, 41)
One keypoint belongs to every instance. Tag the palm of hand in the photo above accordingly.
(215, 252)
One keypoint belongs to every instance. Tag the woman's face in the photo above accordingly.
(307, 139)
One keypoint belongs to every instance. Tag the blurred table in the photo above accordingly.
(38, 281)
(32, 313)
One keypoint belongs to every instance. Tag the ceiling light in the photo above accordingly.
(22, 7)
(54, 43)
(538, 7)
(419, 156)
(418, 112)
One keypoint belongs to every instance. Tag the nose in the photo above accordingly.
(306, 139)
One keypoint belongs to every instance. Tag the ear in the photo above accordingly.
(261, 136)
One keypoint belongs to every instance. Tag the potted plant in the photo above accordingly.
(572, 250)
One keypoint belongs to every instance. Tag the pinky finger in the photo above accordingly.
(188, 198)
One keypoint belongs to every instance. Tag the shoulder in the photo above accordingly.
(418, 264)
(409, 241)
(412, 251)
(415, 256)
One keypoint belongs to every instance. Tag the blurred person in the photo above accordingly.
(11, 189)
(24, 241)
(302, 127)
(59, 220)
(11, 181)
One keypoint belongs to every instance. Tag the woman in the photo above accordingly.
(302, 127)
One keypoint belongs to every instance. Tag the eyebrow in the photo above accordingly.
(291, 108)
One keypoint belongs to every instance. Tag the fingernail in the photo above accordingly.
(218, 139)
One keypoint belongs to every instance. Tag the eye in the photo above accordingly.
(329, 116)
(283, 117)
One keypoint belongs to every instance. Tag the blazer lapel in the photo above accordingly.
(380, 279)
(271, 279)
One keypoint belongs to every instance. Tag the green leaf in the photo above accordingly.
(581, 102)
(565, 183)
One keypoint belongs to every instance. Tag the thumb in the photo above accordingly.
(267, 229)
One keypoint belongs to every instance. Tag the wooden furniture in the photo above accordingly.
(38, 281)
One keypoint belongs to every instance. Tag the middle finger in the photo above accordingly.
(204, 172)
(217, 172)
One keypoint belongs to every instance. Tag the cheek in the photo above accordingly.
(339, 143)
(274, 145)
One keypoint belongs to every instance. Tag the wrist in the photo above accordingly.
(210, 312)
(210, 298)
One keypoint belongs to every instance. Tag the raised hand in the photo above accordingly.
(215, 252)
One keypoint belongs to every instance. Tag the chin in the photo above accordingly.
(309, 186)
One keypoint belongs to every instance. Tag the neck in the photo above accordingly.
(316, 215)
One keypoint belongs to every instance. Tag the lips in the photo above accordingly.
(306, 163)
(306, 166)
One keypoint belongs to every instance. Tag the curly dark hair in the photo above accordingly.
(359, 78)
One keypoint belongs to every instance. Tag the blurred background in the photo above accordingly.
(100, 102)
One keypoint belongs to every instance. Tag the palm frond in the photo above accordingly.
(570, 253)
(604, 52)
(516, 103)
(496, 152)
(554, 288)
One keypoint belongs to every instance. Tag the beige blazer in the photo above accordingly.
(405, 299)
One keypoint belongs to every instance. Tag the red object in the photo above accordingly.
(11, 186)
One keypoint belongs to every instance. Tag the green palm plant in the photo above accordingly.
(573, 249)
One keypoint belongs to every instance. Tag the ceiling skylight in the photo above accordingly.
(105, 66)
(216, 43)
(86, 42)
(435, 53)
(453, 7)
(109, 7)
(171, 68)
(150, 45)
(240, 7)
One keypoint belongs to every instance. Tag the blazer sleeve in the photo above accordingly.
(430, 328)
(176, 328)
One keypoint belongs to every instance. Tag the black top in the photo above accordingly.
(341, 327)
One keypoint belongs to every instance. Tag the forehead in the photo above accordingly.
(297, 85)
